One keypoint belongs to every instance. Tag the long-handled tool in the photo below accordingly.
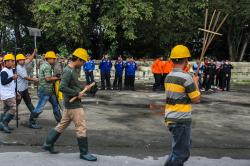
(83, 91)
(17, 113)
(157, 109)
(209, 33)
(36, 33)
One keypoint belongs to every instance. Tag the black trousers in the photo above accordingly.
(204, 81)
(117, 81)
(158, 81)
(129, 82)
(105, 77)
(163, 80)
(208, 82)
(27, 100)
(226, 81)
(217, 80)
(89, 77)
(212, 79)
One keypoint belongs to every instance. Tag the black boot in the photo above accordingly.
(83, 147)
(32, 121)
(1, 117)
(5, 123)
(50, 141)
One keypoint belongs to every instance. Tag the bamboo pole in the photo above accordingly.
(209, 34)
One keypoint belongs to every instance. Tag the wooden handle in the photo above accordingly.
(157, 109)
(83, 91)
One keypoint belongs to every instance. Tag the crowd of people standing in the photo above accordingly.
(213, 75)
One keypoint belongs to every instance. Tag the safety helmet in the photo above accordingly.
(81, 53)
(9, 57)
(20, 57)
(180, 51)
(50, 54)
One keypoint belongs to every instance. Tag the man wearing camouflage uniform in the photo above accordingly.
(46, 90)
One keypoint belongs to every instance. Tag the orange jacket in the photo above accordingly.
(157, 67)
(168, 66)
(186, 69)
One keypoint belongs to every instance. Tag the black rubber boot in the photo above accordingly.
(1, 117)
(173, 163)
(32, 121)
(5, 123)
(50, 141)
(83, 147)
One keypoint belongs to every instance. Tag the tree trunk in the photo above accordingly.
(1, 41)
(244, 47)
(230, 45)
(17, 36)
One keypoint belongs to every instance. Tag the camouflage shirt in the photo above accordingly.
(45, 86)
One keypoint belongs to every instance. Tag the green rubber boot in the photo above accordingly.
(83, 147)
(50, 141)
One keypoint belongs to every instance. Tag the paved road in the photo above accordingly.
(45, 159)
(121, 124)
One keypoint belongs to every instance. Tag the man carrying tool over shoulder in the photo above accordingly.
(181, 91)
(71, 87)
(23, 79)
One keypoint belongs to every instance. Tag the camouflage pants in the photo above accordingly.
(10, 105)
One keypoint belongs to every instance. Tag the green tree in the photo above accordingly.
(80, 21)
(236, 29)
(172, 22)
(15, 15)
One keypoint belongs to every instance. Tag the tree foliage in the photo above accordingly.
(141, 27)
(236, 30)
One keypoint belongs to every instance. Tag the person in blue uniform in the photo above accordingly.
(119, 67)
(89, 67)
(105, 67)
(130, 69)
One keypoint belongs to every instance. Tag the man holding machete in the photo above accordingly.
(71, 87)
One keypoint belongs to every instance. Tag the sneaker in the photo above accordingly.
(35, 126)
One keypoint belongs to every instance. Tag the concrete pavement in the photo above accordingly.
(121, 124)
(45, 159)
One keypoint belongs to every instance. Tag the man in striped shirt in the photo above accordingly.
(181, 91)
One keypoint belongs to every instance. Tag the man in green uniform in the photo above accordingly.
(46, 90)
(71, 87)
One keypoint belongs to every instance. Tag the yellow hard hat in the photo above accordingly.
(20, 57)
(9, 57)
(50, 54)
(180, 51)
(81, 53)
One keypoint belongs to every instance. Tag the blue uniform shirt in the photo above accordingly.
(119, 66)
(195, 66)
(130, 68)
(105, 65)
(89, 66)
